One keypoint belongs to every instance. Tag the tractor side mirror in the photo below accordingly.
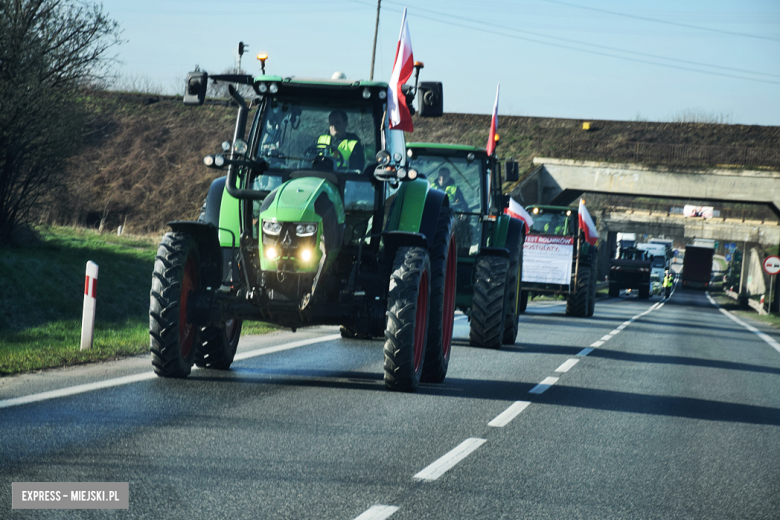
(511, 171)
(195, 89)
(431, 99)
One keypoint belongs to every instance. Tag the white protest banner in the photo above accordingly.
(547, 259)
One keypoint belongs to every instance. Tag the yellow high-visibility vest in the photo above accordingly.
(345, 149)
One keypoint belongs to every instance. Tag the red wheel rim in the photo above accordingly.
(188, 284)
(448, 319)
(420, 321)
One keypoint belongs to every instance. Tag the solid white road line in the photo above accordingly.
(377, 513)
(510, 413)
(119, 381)
(584, 352)
(769, 339)
(448, 461)
(544, 385)
(567, 365)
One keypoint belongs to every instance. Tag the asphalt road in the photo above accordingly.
(644, 411)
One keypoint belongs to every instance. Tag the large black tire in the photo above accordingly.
(218, 345)
(173, 339)
(523, 303)
(407, 319)
(512, 297)
(488, 308)
(444, 271)
(614, 290)
(578, 301)
(592, 295)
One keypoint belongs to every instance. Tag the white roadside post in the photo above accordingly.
(90, 303)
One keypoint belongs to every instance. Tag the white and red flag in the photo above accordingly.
(491, 144)
(515, 210)
(400, 118)
(587, 225)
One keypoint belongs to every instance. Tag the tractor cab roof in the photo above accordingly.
(445, 149)
(545, 208)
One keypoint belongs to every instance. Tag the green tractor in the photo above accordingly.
(319, 221)
(559, 261)
(489, 242)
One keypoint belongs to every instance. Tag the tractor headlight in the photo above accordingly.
(413, 174)
(383, 157)
(219, 161)
(366, 93)
(208, 160)
(262, 88)
(305, 229)
(271, 253)
(401, 173)
(306, 255)
(240, 146)
(272, 227)
(273, 88)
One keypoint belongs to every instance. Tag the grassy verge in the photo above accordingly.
(734, 307)
(42, 291)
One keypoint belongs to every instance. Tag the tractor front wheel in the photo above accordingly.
(577, 302)
(174, 339)
(513, 289)
(407, 319)
(218, 345)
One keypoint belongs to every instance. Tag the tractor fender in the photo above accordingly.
(209, 251)
(213, 202)
(514, 233)
(416, 210)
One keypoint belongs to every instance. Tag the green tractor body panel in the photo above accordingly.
(500, 232)
(229, 214)
(298, 201)
(408, 208)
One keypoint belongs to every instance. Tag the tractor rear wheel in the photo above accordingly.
(218, 345)
(174, 339)
(513, 289)
(488, 304)
(577, 302)
(407, 319)
(444, 270)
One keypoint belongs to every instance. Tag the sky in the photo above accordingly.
(665, 60)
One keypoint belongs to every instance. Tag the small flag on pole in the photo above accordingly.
(587, 225)
(400, 118)
(515, 210)
(491, 145)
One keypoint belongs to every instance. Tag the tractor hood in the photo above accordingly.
(305, 199)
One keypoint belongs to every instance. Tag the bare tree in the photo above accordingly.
(51, 51)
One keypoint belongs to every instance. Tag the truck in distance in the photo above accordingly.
(697, 267)
(630, 269)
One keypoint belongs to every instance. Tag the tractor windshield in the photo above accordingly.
(456, 176)
(553, 223)
(461, 180)
(295, 135)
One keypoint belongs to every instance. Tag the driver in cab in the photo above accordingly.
(345, 148)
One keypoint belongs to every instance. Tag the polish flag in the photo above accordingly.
(517, 211)
(491, 145)
(400, 118)
(587, 225)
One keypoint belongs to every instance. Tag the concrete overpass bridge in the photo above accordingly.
(562, 181)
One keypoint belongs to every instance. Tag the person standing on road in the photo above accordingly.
(668, 282)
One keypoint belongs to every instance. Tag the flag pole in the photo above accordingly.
(577, 260)
(376, 30)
